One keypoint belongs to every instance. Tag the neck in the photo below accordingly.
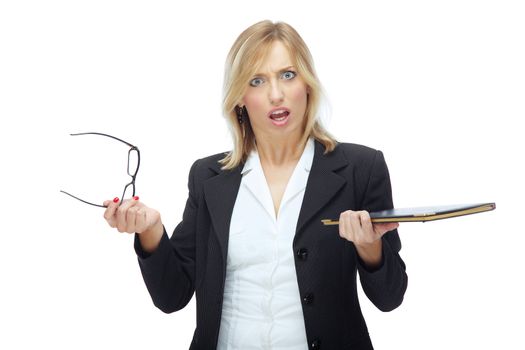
(277, 151)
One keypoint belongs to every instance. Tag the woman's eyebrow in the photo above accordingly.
(279, 71)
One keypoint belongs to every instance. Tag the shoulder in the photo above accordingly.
(355, 149)
(361, 161)
(203, 169)
(206, 167)
(358, 154)
(211, 161)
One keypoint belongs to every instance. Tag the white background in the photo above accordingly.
(438, 86)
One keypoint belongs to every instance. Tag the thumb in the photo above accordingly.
(385, 227)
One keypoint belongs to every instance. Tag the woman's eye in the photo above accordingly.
(256, 82)
(288, 75)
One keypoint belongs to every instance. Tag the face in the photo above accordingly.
(276, 97)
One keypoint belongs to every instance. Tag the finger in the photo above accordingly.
(121, 214)
(369, 235)
(109, 213)
(131, 219)
(355, 224)
(341, 225)
(137, 218)
(344, 227)
(141, 220)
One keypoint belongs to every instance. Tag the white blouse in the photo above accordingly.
(262, 306)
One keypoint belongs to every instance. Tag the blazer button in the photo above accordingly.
(302, 254)
(308, 299)
(315, 345)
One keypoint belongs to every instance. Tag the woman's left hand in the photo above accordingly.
(357, 227)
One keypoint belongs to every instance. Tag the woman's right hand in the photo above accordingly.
(133, 216)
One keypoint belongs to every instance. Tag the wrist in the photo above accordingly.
(150, 238)
(371, 253)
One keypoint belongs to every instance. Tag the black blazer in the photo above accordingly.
(194, 258)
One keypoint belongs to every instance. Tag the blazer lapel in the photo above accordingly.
(220, 193)
(323, 183)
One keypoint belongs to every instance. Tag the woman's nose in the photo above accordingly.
(276, 94)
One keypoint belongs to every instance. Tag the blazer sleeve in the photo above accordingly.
(386, 285)
(169, 271)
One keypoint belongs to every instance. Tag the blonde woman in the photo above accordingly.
(251, 246)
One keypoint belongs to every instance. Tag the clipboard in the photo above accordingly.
(423, 214)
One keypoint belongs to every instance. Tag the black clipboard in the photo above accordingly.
(423, 214)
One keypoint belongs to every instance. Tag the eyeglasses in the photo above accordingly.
(133, 168)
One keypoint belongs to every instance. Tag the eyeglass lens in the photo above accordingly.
(133, 162)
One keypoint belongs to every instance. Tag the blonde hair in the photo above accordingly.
(244, 58)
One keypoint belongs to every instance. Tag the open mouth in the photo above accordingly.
(279, 115)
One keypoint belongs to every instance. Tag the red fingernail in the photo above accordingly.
(136, 198)
(115, 200)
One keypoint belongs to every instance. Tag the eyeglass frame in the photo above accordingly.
(133, 176)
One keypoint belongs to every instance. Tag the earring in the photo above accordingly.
(242, 114)
(238, 111)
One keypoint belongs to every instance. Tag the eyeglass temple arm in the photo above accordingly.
(96, 205)
(101, 134)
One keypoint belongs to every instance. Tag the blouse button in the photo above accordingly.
(316, 344)
(308, 299)
(302, 254)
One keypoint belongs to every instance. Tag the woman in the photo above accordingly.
(267, 274)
